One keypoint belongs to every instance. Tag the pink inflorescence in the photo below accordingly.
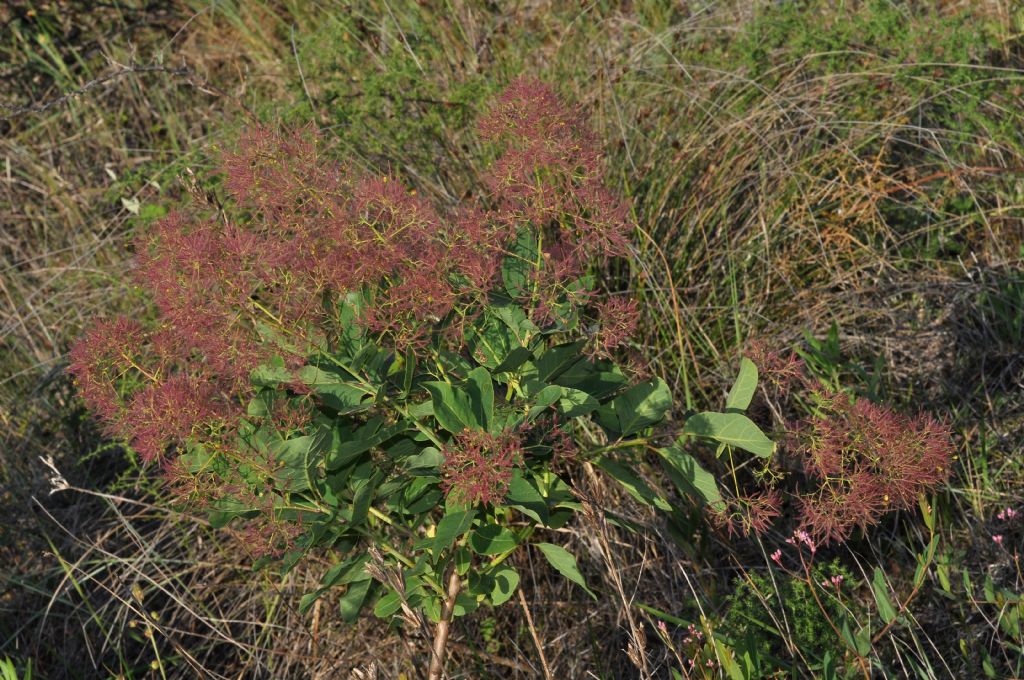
(105, 353)
(802, 538)
(168, 412)
(550, 175)
(782, 370)
(478, 466)
(259, 282)
(233, 294)
(864, 460)
(748, 514)
(618, 318)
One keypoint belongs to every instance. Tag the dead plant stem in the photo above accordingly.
(443, 626)
(535, 636)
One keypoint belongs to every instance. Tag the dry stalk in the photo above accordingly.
(533, 633)
(637, 648)
(443, 626)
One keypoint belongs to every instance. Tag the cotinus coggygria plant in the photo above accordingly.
(337, 363)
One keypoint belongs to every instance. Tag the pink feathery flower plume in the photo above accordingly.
(478, 466)
(867, 460)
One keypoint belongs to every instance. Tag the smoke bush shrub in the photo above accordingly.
(338, 363)
(850, 461)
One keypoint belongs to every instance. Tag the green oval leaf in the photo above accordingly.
(506, 580)
(636, 408)
(451, 526)
(636, 487)
(334, 391)
(691, 479)
(743, 389)
(351, 602)
(453, 407)
(492, 539)
(556, 360)
(524, 496)
(518, 266)
(576, 403)
(481, 394)
(564, 561)
(347, 444)
(388, 604)
(733, 429)
(543, 399)
(880, 588)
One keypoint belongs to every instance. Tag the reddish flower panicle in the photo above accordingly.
(781, 370)
(866, 460)
(618, 318)
(167, 413)
(235, 290)
(549, 176)
(748, 514)
(100, 360)
(478, 466)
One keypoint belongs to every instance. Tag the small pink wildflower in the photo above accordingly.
(777, 557)
(801, 536)
(998, 539)
(1006, 514)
